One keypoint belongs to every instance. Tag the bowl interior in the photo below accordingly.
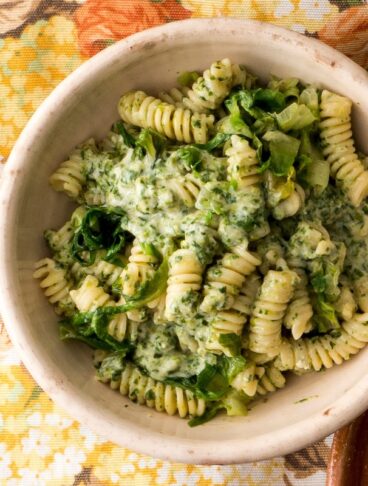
(85, 105)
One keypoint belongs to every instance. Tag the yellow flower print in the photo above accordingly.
(117, 464)
(67, 463)
(31, 67)
(21, 58)
(59, 31)
(11, 108)
(11, 390)
(299, 15)
(15, 424)
(218, 8)
(37, 442)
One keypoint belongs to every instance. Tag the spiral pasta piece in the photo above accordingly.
(272, 254)
(269, 310)
(224, 280)
(336, 135)
(299, 312)
(184, 282)
(247, 380)
(233, 320)
(70, 177)
(186, 188)
(345, 305)
(247, 295)
(324, 351)
(90, 296)
(139, 269)
(157, 306)
(105, 272)
(210, 89)
(61, 238)
(225, 322)
(270, 379)
(137, 108)
(291, 205)
(174, 96)
(53, 283)
(243, 164)
(154, 394)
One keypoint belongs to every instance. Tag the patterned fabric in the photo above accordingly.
(41, 42)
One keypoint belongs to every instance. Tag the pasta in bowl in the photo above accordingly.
(201, 269)
(216, 248)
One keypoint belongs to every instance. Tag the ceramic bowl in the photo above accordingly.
(84, 105)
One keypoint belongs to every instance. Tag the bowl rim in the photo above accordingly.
(280, 442)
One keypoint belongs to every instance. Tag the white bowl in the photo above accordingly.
(84, 105)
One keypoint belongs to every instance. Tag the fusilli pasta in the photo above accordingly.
(336, 135)
(185, 277)
(53, 283)
(224, 280)
(163, 398)
(178, 124)
(269, 310)
(243, 164)
(314, 353)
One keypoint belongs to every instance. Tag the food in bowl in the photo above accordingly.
(220, 242)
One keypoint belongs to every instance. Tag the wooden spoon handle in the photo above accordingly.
(348, 465)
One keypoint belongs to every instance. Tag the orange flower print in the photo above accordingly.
(101, 22)
(347, 31)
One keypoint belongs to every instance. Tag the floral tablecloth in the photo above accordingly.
(41, 42)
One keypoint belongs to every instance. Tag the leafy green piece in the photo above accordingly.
(234, 125)
(294, 117)
(263, 124)
(187, 78)
(231, 366)
(288, 87)
(216, 141)
(191, 156)
(278, 188)
(100, 228)
(283, 151)
(212, 383)
(312, 169)
(231, 342)
(150, 249)
(210, 413)
(309, 97)
(151, 289)
(117, 287)
(149, 142)
(68, 332)
(268, 99)
(129, 140)
(325, 277)
(235, 402)
(96, 336)
(324, 315)
(317, 174)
